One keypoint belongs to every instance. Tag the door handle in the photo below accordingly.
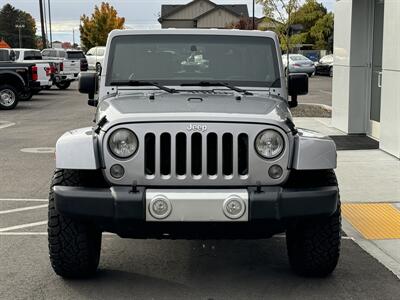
(379, 79)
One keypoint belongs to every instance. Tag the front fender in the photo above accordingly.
(313, 151)
(78, 149)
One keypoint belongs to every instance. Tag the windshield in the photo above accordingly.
(298, 57)
(182, 59)
(75, 55)
(32, 55)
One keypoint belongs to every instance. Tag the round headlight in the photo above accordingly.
(269, 144)
(123, 143)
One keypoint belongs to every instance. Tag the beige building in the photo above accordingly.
(201, 14)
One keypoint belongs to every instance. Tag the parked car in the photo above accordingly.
(325, 65)
(298, 64)
(16, 79)
(46, 69)
(95, 58)
(53, 54)
(199, 152)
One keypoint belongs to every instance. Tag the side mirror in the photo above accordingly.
(297, 85)
(88, 85)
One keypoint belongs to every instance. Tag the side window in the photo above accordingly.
(46, 53)
(91, 51)
(100, 52)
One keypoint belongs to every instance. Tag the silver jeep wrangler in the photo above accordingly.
(194, 139)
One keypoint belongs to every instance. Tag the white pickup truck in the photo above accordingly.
(72, 62)
(45, 69)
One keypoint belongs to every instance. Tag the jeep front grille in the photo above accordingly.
(196, 155)
(182, 154)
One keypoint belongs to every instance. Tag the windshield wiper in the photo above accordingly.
(144, 83)
(218, 83)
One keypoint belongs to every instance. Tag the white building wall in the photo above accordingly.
(352, 65)
(390, 108)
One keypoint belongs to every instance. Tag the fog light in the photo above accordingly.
(275, 171)
(160, 207)
(234, 207)
(117, 171)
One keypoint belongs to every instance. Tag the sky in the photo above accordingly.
(139, 14)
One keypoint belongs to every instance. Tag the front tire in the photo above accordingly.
(74, 246)
(26, 96)
(63, 85)
(8, 97)
(313, 244)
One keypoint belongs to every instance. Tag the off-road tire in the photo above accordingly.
(13, 90)
(74, 246)
(63, 85)
(313, 244)
(26, 96)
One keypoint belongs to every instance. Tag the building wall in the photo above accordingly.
(217, 19)
(193, 10)
(390, 108)
(352, 70)
(352, 66)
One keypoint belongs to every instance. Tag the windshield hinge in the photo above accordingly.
(100, 124)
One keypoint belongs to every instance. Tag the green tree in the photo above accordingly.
(308, 15)
(322, 33)
(281, 13)
(9, 18)
(95, 29)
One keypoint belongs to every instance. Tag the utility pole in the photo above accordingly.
(20, 26)
(44, 44)
(254, 9)
(73, 38)
(51, 34)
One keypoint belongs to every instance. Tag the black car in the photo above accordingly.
(325, 65)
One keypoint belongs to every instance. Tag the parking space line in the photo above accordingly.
(24, 200)
(22, 209)
(22, 226)
(6, 124)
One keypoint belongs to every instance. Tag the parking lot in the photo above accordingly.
(145, 269)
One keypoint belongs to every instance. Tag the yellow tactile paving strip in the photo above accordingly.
(375, 221)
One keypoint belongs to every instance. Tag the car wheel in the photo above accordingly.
(74, 246)
(63, 85)
(25, 96)
(331, 72)
(8, 97)
(313, 244)
(98, 68)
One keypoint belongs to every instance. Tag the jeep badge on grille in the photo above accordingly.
(196, 127)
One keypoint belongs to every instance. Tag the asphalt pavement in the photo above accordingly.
(142, 269)
(320, 91)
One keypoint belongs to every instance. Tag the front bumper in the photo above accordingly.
(121, 203)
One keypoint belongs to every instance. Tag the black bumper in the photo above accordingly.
(123, 204)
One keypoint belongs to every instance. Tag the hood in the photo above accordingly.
(219, 107)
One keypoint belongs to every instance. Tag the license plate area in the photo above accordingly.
(197, 205)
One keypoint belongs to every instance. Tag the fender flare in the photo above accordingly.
(15, 75)
(78, 150)
(313, 151)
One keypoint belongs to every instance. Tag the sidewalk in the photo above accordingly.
(369, 182)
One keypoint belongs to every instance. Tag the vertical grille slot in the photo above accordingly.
(196, 154)
(243, 154)
(180, 154)
(212, 154)
(149, 154)
(165, 154)
(227, 154)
